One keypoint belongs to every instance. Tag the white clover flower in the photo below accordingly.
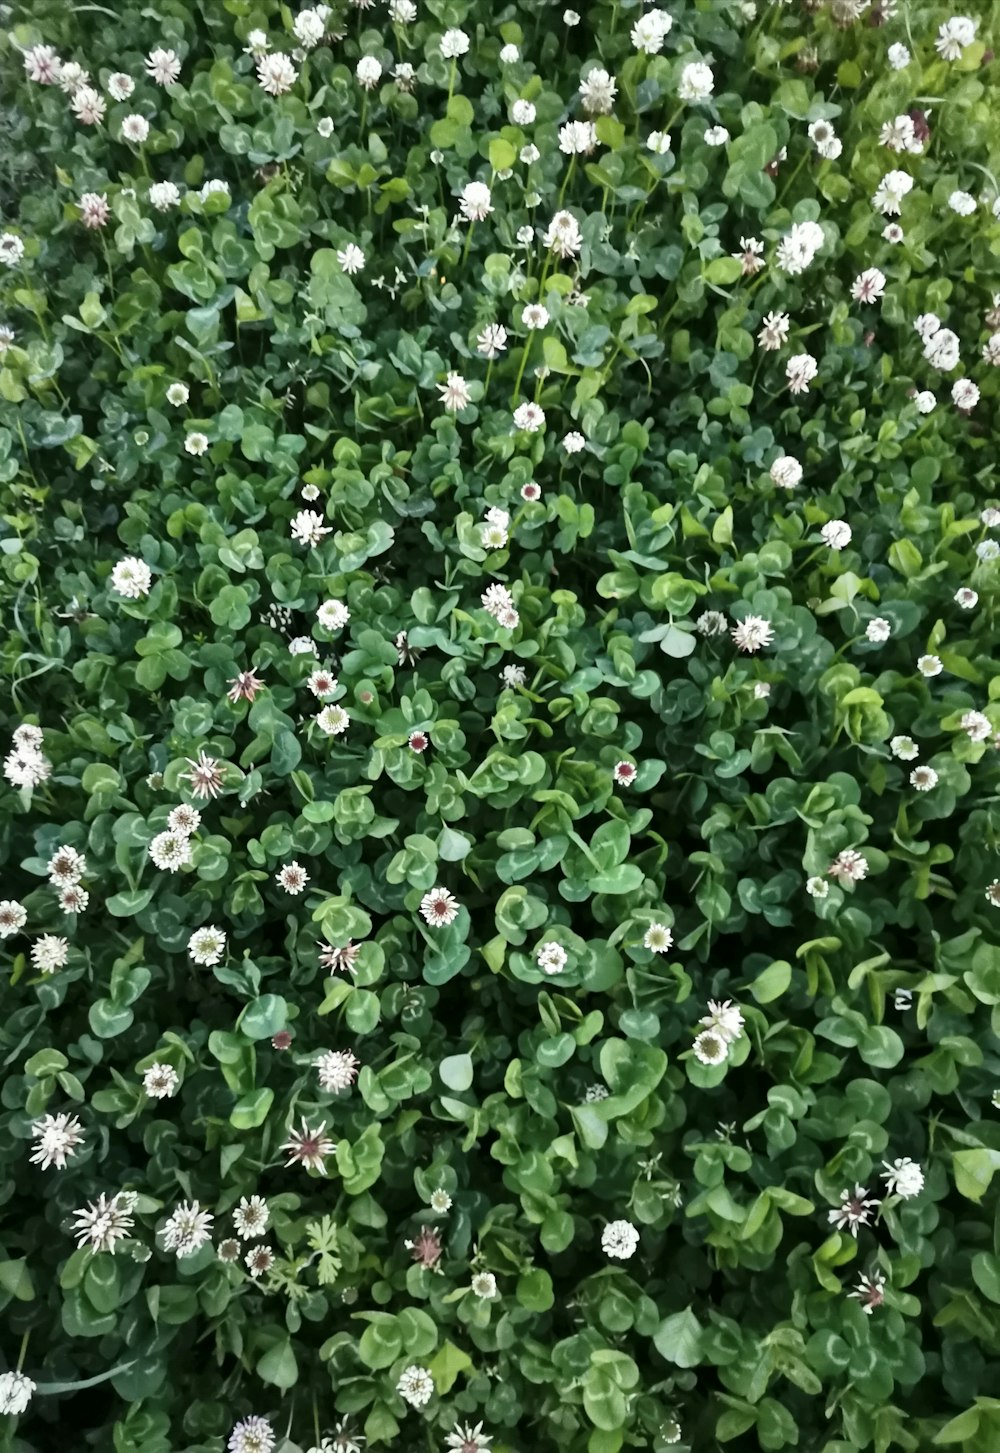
(484, 1286)
(620, 1240)
(333, 615)
(967, 598)
(177, 394)
(892, 189)
(454, 43)
(836, 534)
(598, 90)
(101, 1224)
(905, 748)
(849, 866)
(658, 938)
(696, 83)
(929, 665)
(868, 286)
(333, 721)
(817, 887)
(509, 54)
(42, 65)
(574, 442)
(11, 249)
(878, 630)
(337, 1069)
(725, 1019)
(439, 908)
(786, 472)
(710, 1048)
(15, 1387)
(307, 527)
(923, 778)
(551, 958)
(987, 551)
(275, 73)
(529, 417)
(120, 86)
(187, 1228)
(797, 250)
(925, 402)
(563, 236)
(206, 946)
(13, 917)
(88, 106)
(351, 258)
(800, 370)
(415, 1386)
(752, 633)
(476, 202)
(401, 12)
(964, 394)
(716, 136)
(164, 195)
(492, 341)
(658, 142)
(440, 1202)
(953, 36)
(309, 28)
(898, 56)
(774, 332)
(964, 203)
(577, 138)
(163, 66)
(854, 1210)
(160, 1081)
(58, 1138)
(650, 31)
(522, 113)
(196, 443)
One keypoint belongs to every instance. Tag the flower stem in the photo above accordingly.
(524, 360)
(468, 239)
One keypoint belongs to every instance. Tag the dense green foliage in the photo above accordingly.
(669, 660)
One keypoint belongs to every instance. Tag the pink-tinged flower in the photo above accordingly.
(418, 741)
(94, 209)
(426, 1247)
(454, 393)
(282, 1040)
(293, 878)
(750, 256)
(322, 683)
(849, 866)
(244, 687)
(854, 1210)
(309, 1147)
(870, 1292)
(42, 65)
(258, 1261)
(529, 417)
(120, 86)
(800, 370)
(339, 960)
(625, 773)
(868, 286)
(531, 492)
(88, 106)
(439, 907)
(205, 776)
(135, 128)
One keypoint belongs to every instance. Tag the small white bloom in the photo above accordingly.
(484, 1286)
(276, 74)
(454, 43)
(333, 615)
(658, 938)
(207, 945)
(619, 1239)
(696, 83)
(878, 630)
(929, 665)
(786, 472)
(905, 748)
(923, 778)
(164, 195)
(177, 394)
(898, 56)
(160, 1081)
(836, 534)
(351, 258)
(15, 1387)
(551, 957)
(415, 1386)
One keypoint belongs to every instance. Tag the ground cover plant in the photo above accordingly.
(500, 899)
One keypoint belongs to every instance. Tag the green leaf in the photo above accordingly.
(456, 1071)
(251, 1110)
(264, 1017)
(278, 1365)
(678, 1339)
(445, 1366)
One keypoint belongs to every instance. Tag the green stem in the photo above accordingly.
(468, 239)
(24, 1350)
(451, 78)
(520, 371)
(784, 191)
(566, 178)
